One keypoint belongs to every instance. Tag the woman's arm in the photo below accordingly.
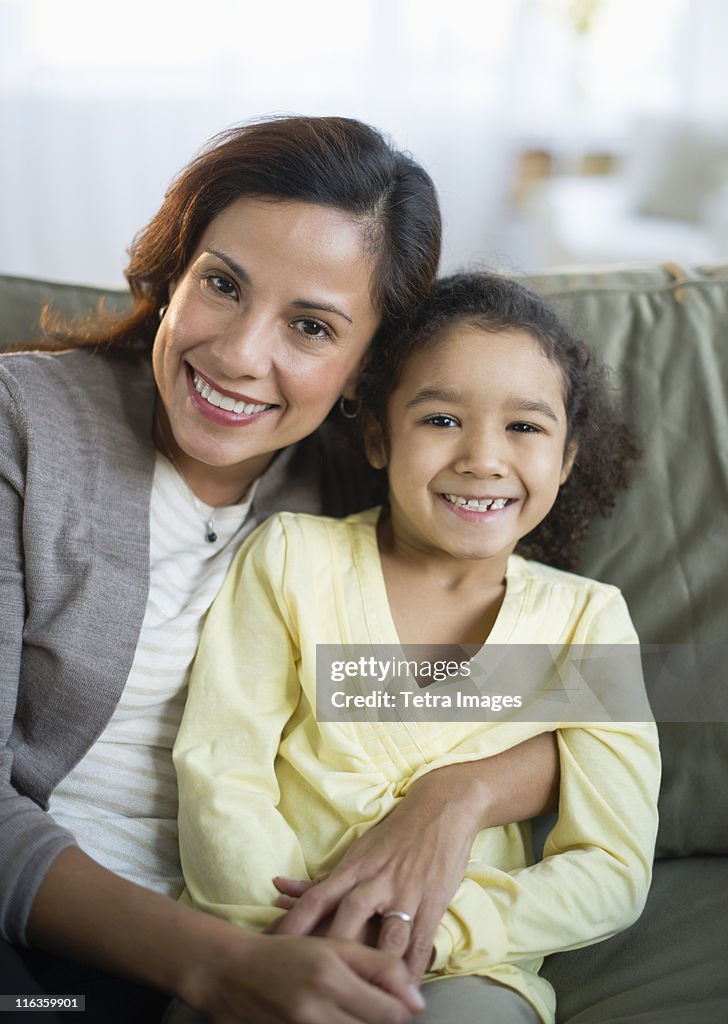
(85, 912)
(29, 839)
(416, 858)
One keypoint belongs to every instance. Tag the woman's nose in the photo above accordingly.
(246, 348)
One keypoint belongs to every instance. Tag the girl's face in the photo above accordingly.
(264, 331)
(477, 432)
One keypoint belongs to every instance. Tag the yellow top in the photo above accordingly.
(266, 789)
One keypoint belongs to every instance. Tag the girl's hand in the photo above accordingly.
(414, 860)
(367, 936)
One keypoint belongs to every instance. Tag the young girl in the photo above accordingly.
(497, 433)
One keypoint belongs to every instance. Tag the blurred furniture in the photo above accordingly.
(667, 198)
(665, 333)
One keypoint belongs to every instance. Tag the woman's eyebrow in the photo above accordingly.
(324, 307)
(236, 268)
(242, 274)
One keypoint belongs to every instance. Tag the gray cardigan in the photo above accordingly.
(76, 466)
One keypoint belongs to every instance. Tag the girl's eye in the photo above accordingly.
(221, 283)
(311, 328)
(525, 428)
(442, 420)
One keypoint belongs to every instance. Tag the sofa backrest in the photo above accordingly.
(665, 334)
(664, 331)
(22, 300)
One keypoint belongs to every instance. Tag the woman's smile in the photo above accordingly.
(215, 401)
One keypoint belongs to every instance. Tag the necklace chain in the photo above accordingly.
(210, 534)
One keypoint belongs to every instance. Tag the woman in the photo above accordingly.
(280, 254)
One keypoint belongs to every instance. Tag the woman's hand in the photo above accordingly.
(414, 860)
(235, 976)
(292, 980)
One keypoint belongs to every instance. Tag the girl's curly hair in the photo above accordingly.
(607, 448)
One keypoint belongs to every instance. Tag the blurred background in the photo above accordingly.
(558, 132)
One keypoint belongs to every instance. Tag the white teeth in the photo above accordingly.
(226, 402)
(477, 504)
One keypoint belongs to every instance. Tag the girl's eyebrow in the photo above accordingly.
(435, 394)
(528, 405)
(242, 274)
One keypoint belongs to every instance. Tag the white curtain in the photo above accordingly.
(100, 104)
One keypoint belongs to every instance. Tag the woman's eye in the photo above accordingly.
(221, 283)
(311, 328)
(525, 428)
(442, 420)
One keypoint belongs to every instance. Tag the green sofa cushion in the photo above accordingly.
(649, 974)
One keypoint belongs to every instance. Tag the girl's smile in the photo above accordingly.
(476, 446)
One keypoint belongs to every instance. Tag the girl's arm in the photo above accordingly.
(417, 856)
(595, 873)
(596, 868)
(87, 913)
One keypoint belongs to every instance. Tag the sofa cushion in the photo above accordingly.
(649, 974)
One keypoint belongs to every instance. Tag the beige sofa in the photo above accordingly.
(665, 332)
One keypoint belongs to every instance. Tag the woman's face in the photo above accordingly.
(265, 329)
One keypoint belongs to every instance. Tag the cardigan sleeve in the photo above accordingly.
(243, 690)
(595, 873)
(29, 838)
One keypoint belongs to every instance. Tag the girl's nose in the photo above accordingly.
(246, 348)
(482, 455)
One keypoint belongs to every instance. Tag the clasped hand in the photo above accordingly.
(412, 861)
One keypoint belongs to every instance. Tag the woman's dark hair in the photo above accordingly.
(332, 161)
(607, 448)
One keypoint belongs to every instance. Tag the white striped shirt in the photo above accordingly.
(120, 801)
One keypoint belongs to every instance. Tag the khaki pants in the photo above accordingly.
(473, 1000)
(466, 1000)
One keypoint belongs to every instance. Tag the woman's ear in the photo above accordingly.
(569, 457)
(375, 448)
